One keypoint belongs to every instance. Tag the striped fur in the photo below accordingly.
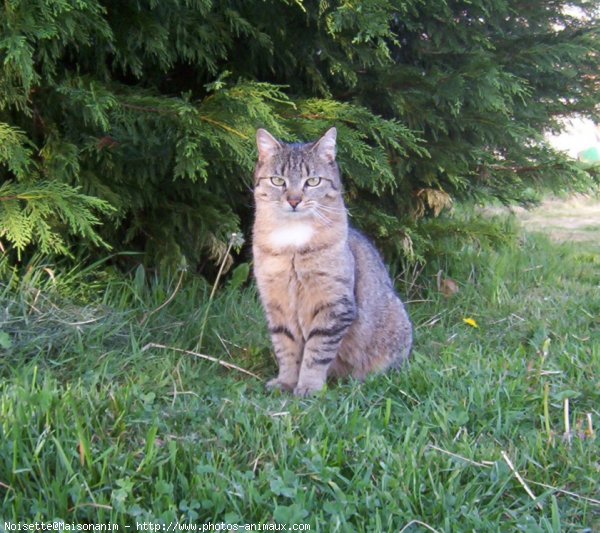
(329, 301)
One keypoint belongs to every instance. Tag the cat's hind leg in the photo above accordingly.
(323, 342)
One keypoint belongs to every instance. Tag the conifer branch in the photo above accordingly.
(155, 113)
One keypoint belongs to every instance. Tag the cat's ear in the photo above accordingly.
(325, 146)
(267, 144)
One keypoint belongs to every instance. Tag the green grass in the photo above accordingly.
(93, 428)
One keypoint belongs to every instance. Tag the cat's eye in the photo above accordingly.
(313, 182)
(277, 181)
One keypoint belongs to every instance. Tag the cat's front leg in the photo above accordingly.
(273, 273)
(329, 325)
(288, 344)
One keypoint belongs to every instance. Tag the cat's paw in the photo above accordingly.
(303, 391)
(277, 384)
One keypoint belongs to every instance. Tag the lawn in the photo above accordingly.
(575, 219)
(492, 426)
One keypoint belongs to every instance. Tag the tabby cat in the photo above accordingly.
(328, 298)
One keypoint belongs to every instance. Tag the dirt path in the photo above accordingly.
(576, 219)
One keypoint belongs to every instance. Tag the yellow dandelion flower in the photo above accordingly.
(471, 322)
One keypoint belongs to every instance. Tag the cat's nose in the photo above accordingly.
(294, 202)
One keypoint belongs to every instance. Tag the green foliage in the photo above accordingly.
(33, 213)
(151, 107)
(37, 207)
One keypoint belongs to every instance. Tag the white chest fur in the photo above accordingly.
(291, 235)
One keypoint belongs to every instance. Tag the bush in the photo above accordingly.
(142, 114)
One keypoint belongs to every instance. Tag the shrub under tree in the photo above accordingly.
(141, 115)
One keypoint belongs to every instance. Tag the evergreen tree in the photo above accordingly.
(142, 114)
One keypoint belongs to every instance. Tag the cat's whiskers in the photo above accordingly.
(321, 216)
(324, 213)
(314, 208)
(331, 208)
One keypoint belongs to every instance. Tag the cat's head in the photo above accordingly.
(298, 180)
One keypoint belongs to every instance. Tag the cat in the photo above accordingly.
(329, 301)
